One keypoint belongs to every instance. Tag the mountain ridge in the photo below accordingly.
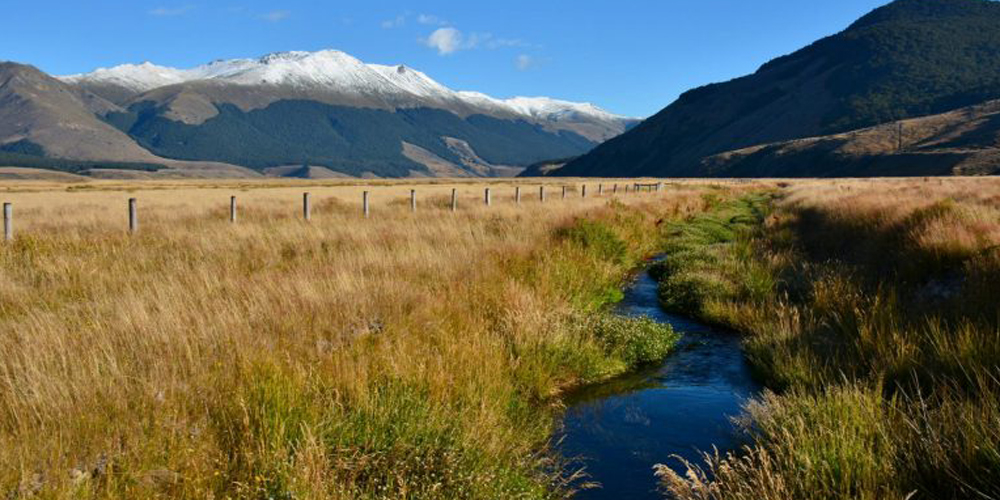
(908, 58)
(332, 77)
(325, 110)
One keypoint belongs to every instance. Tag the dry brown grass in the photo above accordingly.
(404, 356)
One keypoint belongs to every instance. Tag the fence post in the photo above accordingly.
(541, 194)
(659, 186)
(8, 222)
(454, 199)
(564, 192)
(600, 190)
(413, 200)
(583, 191)
(517, 195)
(488, 197)
(133, 216)
(306, 207)
(615, 191)
(364, 203)
(232, 209)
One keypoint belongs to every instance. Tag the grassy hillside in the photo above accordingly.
(344, 139)
(909, 58)
(964, 141)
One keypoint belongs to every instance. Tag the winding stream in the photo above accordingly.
(619, 429)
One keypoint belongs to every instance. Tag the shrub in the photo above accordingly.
(634, 340)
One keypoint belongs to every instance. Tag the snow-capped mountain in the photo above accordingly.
(336, 72)
(289, 113)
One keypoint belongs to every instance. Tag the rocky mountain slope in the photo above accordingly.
(909, 58)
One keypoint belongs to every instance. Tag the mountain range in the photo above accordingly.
(907, 59)
(292, 113)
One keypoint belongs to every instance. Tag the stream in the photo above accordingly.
(619, 429)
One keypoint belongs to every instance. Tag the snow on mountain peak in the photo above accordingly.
(337, 71)
(139, 77)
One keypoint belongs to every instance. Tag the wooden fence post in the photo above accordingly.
(564, 192)
(8, 222)
(517, 195)
(583, 191)
(454, 199)
(364, 204)
(413, 200)
(541, 194)
(600, 190)
(306, 207)
(615, 191)
(488, 197)
(232, 209)
(133, 216)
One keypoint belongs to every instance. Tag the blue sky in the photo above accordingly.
(630, 57)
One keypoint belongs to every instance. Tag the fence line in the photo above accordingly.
(133, 216)
(133, 210)
(8, 222)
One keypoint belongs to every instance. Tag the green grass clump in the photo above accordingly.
(634, 341)
(598, 238)
(706, 258)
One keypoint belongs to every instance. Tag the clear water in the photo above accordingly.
(619, 429)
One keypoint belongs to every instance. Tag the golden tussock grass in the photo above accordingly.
(403, 356)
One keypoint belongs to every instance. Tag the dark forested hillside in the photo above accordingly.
(346, 139)
(906, 59)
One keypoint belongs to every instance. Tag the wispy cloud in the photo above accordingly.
(171, 11)
(276, 16)
(448, 40)
(428, 19)
(524, 62)
(497, 43)
(395, 22)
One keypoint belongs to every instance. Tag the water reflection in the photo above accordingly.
(620, 429)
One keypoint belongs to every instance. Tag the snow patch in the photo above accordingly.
(338, 71)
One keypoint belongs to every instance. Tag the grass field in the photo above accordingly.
(403, 356)
(871, 309)
(422, 355)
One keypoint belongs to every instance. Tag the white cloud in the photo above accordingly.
(395, 22)
(524, 62)
(276, 15)
(449, 40)
(171, 11)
